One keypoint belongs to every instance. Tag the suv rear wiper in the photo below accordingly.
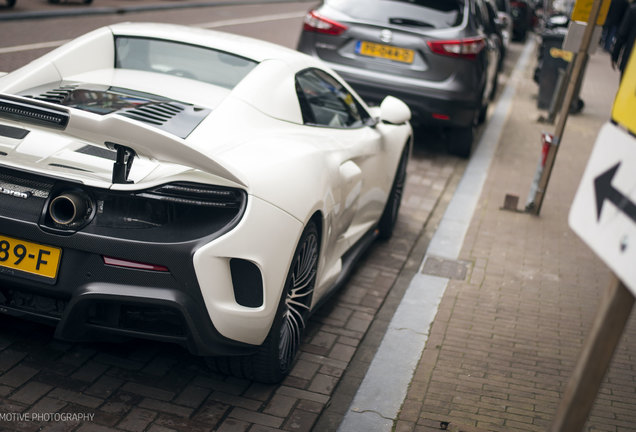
(409, 22)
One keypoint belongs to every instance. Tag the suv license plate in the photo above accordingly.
(32, 258)
(389, 52)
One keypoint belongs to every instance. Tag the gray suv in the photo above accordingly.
(439, 56)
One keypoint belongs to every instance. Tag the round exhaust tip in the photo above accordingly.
(68, 208)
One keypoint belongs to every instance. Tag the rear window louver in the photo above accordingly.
(58, 95)
(174, 117)
(157, 114)
(32, 112)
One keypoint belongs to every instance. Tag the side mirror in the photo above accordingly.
(394, 111)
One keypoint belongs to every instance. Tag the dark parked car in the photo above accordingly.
(522, 18)
(439, 56)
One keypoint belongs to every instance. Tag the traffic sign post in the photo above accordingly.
(597, 354)
(603, 214)
(593, 10)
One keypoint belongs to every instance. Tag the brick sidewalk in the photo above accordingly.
(506, 339)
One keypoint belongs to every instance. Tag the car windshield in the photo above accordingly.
(437, 14)
(184, 60)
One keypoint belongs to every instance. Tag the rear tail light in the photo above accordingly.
(116, 262)
(518, 4)
(317, 23)
(463, 48)
(438, 116)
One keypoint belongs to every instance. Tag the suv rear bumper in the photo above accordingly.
(432, 104)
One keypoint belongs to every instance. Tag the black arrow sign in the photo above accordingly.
(605, 191)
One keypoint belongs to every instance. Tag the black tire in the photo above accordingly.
(387, 222)
(11, 3)
(276, 356)
(460, 141)
(481, 115)
(495, 84)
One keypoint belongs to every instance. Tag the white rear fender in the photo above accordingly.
(266, 237)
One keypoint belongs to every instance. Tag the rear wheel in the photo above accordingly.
(460, 141)
(392, 208)
(275, 357)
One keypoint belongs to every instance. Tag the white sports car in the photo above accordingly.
(189, 186)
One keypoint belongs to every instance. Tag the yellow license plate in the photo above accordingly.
(371, 49)
(29, 257)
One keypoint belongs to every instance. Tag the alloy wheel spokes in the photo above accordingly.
(298, 299)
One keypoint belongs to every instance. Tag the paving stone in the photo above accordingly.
(237, 401)
(258, 391)
(233, 425)
(104, 386)
(212, 412)
(280, 405)
(148, 391)
(17, 376)
(75, 397)
(166, 407)
(192, 396)
(48, 405)
(77, 356)
(90, 371)
(157, 428)
(137, 420)
(323, 384)
(255, 417)
(182, 424)
(31, 392)
(120, 362)
(302, 394)
(300, 421)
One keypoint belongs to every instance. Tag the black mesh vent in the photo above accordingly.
(32, 112)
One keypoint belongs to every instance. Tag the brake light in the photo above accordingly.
(464, 48)
(319, 24)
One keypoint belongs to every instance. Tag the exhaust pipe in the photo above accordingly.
(70, 208)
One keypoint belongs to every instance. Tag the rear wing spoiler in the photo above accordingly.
(130, 138)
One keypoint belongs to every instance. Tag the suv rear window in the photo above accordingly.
(434, 14)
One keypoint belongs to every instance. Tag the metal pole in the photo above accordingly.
(581, 391)
(577, 70)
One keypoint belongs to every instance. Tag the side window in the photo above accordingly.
(325, 102)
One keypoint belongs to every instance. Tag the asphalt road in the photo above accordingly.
(146, 386)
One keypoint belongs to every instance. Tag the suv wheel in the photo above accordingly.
(460, 141)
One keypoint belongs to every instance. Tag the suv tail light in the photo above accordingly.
(317, 23)
(464, 48)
